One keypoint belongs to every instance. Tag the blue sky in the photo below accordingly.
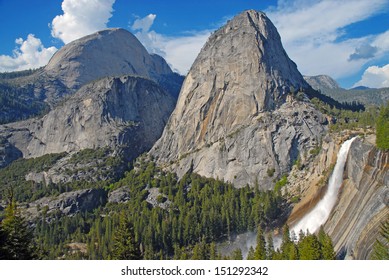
(346, 39)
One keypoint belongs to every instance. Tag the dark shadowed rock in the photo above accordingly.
(68, 203)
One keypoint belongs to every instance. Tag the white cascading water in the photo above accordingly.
(319, 214)
(316, 217)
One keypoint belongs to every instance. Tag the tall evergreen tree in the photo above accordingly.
(213, 254)
(125, 247)
(293, 252)
(260, 249)
(201, 251)
(270, 247)
(286, 243)
(251, 254)
(17, 237)
(327, 249)
(236, 254)
(309, 248)
(382, 126)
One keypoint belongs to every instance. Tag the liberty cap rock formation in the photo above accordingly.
(236, 118)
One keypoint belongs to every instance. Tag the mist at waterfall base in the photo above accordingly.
(310, 222)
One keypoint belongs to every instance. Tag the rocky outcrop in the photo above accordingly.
(125, 113)
(120, 195)
(363, 202)
(68, 203)
(237, 116)
(308, 182)
(8, 152)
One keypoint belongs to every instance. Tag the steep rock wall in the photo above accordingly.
(123, 113)
(236, 117)
(363, 203)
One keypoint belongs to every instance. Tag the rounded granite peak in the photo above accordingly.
(230, 117)
(108, 52)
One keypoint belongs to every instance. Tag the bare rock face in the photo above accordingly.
(68, 203)
(363, 203)
(110, 52)
(8, 153)
(321, 82)
(236, 117)
(126, 113)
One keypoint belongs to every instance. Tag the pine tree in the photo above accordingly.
(125, 247)
(260, 249)
(382, 126)
(309, 248)
(201, 251)
(286, 243)
(236, 254)
(327, 249)
(213, 254)
(17, 237)
(251, 254)
(293, 252)
(270, 247)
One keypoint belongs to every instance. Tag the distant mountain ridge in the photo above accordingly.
(367, 96)
(321, 82)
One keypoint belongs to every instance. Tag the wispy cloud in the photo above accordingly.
(29, 54)
(81, 18)
(312, 32)
(144, 24)
(179, 51)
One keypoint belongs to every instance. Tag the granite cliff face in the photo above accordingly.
(363, 202)
(237, 115)
(123, 113)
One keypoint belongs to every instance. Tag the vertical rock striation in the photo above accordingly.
(363, 203)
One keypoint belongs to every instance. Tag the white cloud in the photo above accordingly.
(179, 51)
(81, 18)
(144, 24)
(29, 54)
(312, 34)
(375, 77)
